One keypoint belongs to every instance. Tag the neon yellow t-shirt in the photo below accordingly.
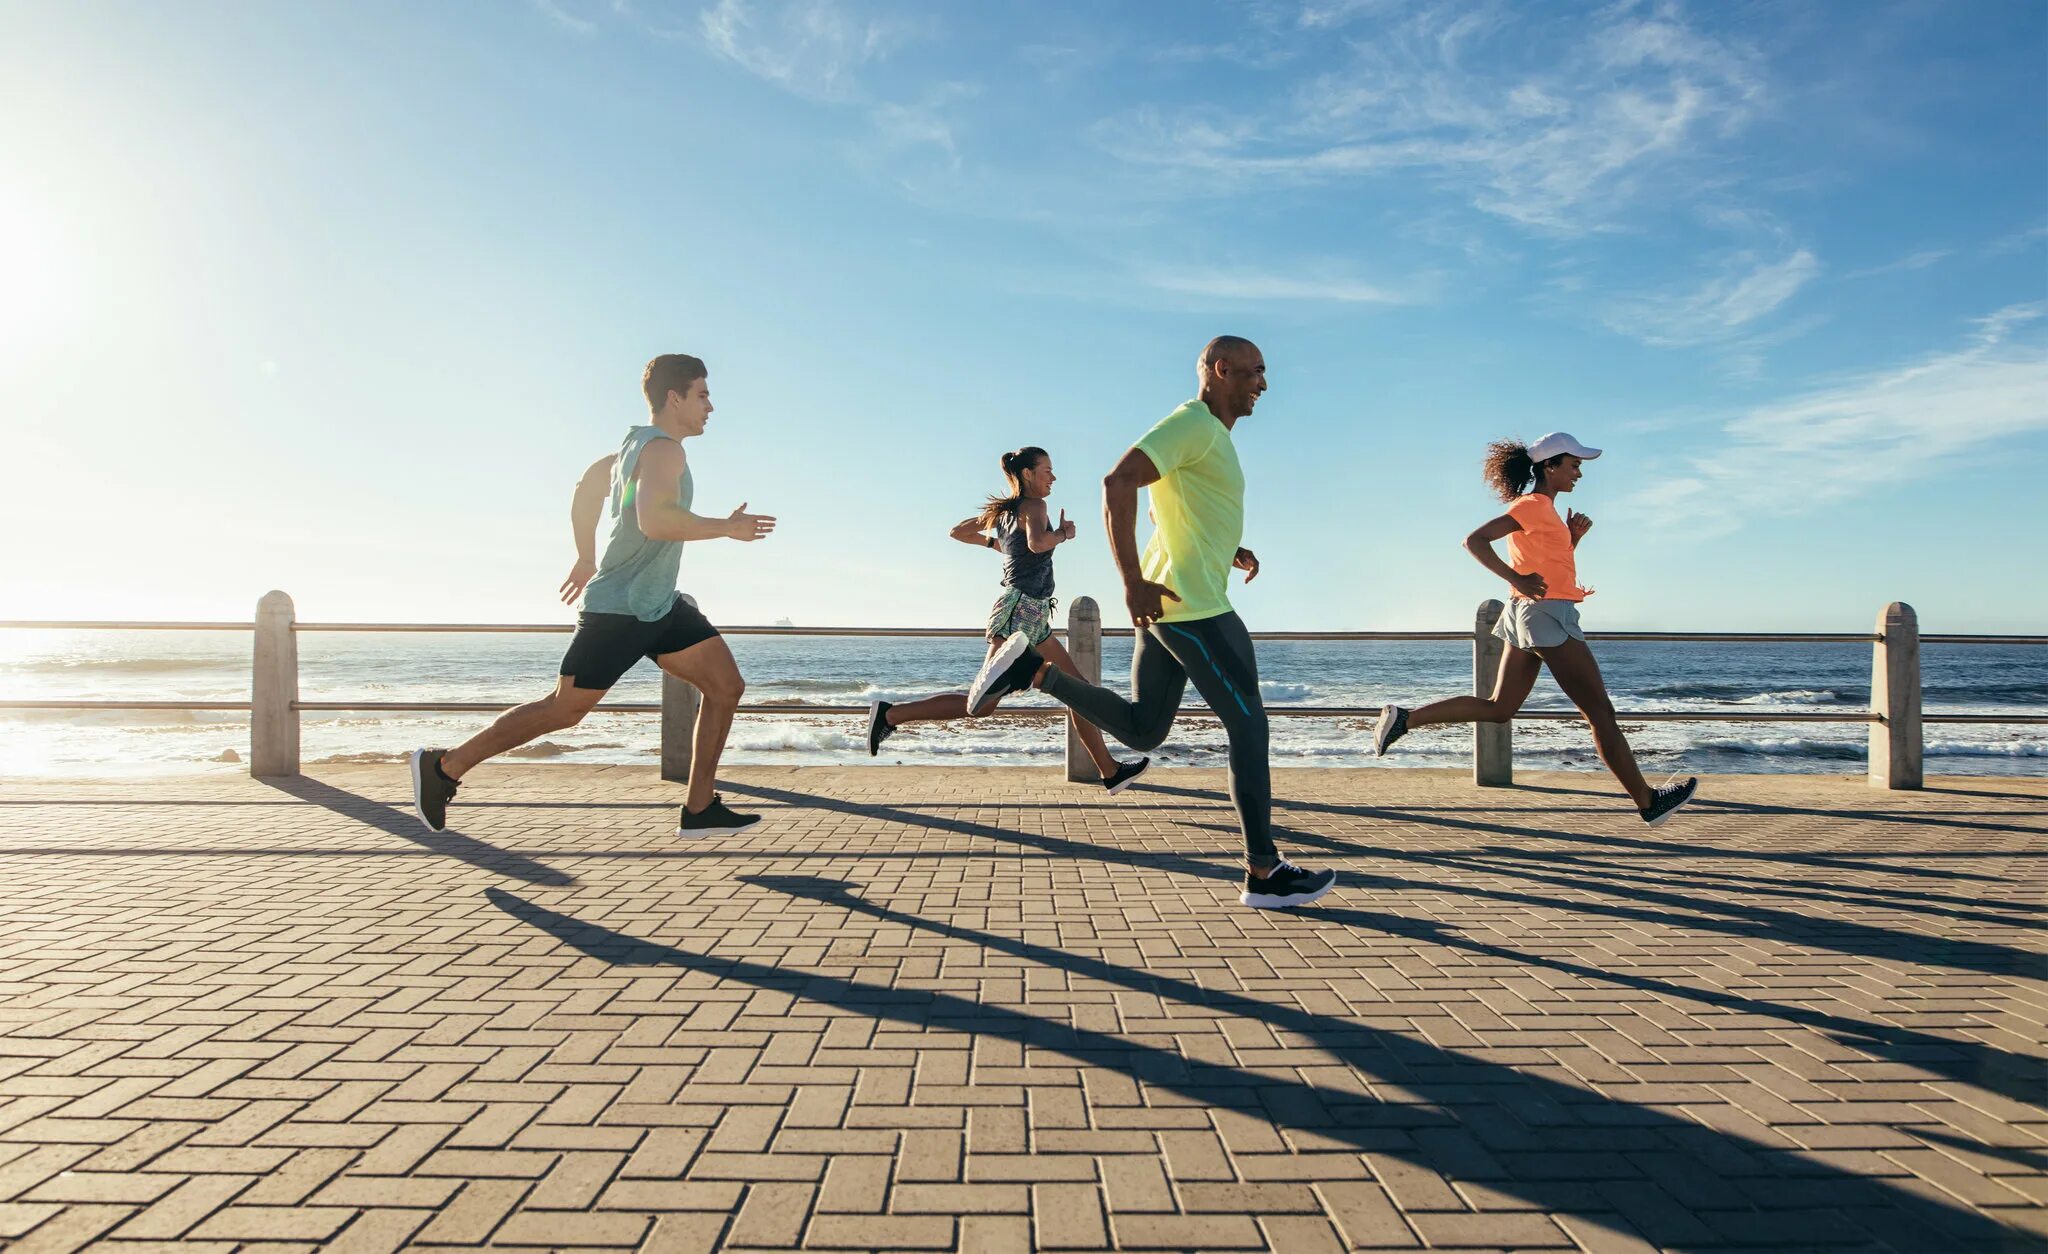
(1198, 506)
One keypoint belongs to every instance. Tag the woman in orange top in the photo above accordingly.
(1541, 624)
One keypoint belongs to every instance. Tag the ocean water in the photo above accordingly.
(103, 665)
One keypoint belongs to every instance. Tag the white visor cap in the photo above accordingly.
(1559, 442)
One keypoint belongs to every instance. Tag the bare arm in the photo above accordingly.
(1039, 533)
(1120, 523)
(1480, 545)
(661, 515)
(968, 531)
(585, 510)
(588, 506)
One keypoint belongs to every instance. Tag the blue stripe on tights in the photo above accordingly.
(1230, 687)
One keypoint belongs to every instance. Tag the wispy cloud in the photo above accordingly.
(813, 48)
(1245, 287)
(1912, 261)
(562, 17)
(819, 50)
(1866, 432)
(2019, 239)
(1610, 118)
(1718, 310)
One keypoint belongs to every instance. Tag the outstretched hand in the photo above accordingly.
(746, 527)
(579, 577)
(1248, 562)
(1145, 600)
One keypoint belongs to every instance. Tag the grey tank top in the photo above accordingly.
(636, 575)
(1029, 573)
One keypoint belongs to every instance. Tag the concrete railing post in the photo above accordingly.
(274, 690)
(679, 705)
(1895, 743)
(1084, 643)
(1493, 744)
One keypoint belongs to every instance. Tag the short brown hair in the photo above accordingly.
(670, 372)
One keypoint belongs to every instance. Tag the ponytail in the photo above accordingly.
(1509, 471)
(1014, 465)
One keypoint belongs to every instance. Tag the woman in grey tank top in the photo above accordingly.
(1017, 526)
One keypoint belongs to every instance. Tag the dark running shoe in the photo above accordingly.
(1009, 669)
(878, 727)
(1287, 885)
(1393, 726)
(1125, 773)
(431, 790)
(715, 820)
(1664, 802)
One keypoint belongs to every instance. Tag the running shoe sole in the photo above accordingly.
(874, 741)
(1380, 739)
(1272, 901)
(998, 662)
(419, 760)
(1666, 816)
(692, 833)
(1132, 778)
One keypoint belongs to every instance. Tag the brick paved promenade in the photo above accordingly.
(923, 1009)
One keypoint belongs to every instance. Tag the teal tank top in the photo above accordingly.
(636, 575)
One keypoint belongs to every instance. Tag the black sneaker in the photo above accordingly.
(1287, 885)
(431, 790)
(715, 820)
(878, 727)
(1664, 802)
(1009, 669)
(1125, 773)
(1393, 726)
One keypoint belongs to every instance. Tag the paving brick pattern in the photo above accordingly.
(926, 1009)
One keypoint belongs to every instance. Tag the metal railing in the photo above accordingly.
(1894, 716)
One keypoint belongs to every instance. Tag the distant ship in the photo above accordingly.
(783, 622)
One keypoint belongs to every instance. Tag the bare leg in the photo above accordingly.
(1572, 665)
(708, 667)
(1511, 685)
(561, 709)
(1091, 739)
(943, 708)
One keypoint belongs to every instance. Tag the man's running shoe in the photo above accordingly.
(878, 727)
(1664, 802)
(1287, 885)
(431, 790)
(1009, 669)
(715, 820)
(1393, 726)
(1125, 773)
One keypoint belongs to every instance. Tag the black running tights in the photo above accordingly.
(1216, 653)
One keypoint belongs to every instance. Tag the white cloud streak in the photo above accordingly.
(1718, 310)
(1560, 147)
(1238, 287)
(1865, 433)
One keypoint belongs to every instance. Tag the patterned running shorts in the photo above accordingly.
(1015, 612)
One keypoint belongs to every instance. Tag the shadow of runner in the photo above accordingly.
(407, 827)
(1549, 1143)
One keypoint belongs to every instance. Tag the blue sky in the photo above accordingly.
(340, 298)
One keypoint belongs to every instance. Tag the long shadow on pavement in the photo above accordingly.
(1561, 1148)
(406, 827)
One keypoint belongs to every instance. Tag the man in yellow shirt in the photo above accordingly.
(1178, 595)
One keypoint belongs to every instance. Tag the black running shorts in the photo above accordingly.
(605, 646)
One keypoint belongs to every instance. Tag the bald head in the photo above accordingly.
(1231, 348)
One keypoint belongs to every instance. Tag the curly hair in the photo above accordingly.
(1014, 465)
(1508, 470)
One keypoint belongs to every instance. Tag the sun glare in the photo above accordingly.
(38, 280)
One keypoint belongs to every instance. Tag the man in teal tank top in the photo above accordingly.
(631, 608)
